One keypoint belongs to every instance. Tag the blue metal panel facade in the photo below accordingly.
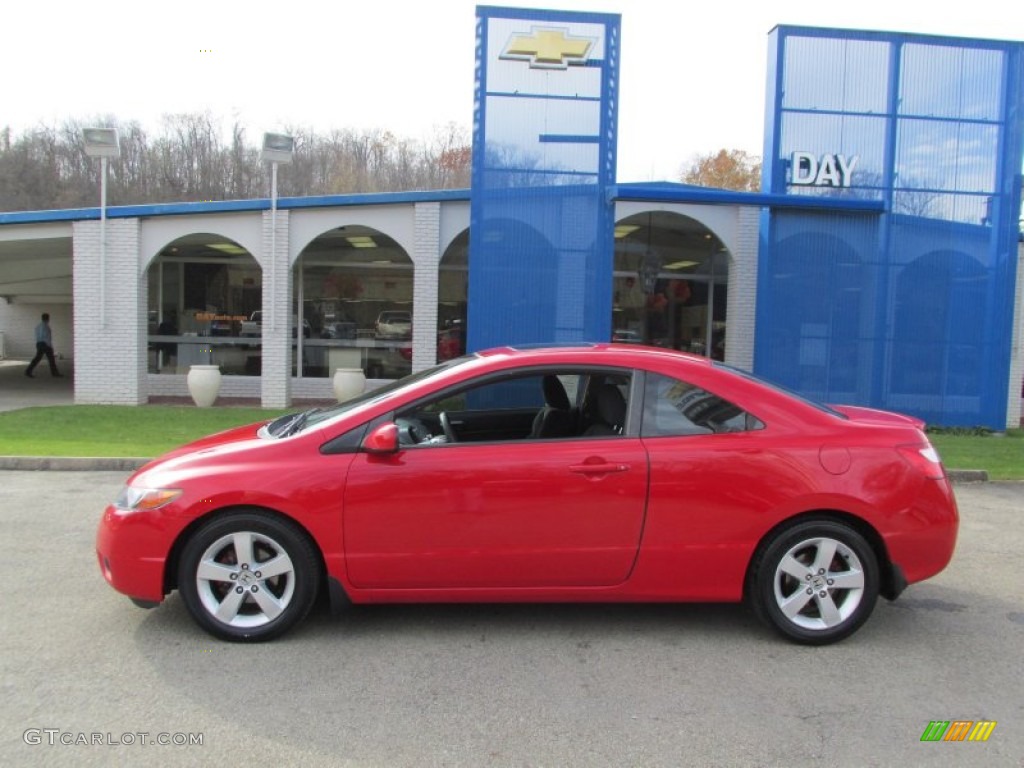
(910, 310)
(544, 142)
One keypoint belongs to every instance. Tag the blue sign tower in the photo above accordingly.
(544, 150)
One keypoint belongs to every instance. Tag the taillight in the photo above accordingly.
(925, 459)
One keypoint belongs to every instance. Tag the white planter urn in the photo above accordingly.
(204, 384)
(348, 382)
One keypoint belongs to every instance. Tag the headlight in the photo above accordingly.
(144, 499)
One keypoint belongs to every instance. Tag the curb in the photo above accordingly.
(967, 475)
(70, 463)
(111, 464)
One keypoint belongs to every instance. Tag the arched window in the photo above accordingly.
(671, 283)
(816, 338)
(203, 292)
(354, 285)
(452, 298)
(940, 307)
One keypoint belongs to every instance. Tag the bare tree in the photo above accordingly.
(448, 157)
(188, 160)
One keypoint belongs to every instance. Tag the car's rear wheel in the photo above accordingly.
(248, 576)
(815, 582)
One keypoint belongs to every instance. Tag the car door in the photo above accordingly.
(500, 514)
(713, 475)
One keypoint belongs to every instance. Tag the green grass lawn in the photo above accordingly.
(114, 430)
(1002, 456)
(149, 430)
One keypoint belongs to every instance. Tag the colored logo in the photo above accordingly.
(548, 48)
(958, 730)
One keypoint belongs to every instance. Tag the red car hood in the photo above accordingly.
(229, 440)
(857, 413)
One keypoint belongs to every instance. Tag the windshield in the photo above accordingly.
(291, 423)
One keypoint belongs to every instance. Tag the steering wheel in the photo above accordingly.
(446, 425)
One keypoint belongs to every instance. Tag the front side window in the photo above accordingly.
(674, 407)
(552, 404)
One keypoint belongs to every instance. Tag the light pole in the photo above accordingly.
(102, 143)
(277, 148)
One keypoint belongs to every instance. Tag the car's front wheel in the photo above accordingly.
(248, 576)
(815, 582)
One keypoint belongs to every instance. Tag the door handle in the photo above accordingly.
(603, 468)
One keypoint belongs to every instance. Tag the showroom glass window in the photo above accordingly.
(452, 299)
(354, 285)
(670, 285)
(203, 293)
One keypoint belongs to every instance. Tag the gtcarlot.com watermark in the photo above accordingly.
(53, 737)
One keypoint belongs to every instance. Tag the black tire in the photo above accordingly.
(815, 582)
(248, 601)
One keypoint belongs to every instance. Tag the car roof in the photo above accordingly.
(595, 352)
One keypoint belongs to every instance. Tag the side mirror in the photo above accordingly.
(383, 439)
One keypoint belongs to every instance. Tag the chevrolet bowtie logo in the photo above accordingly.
(548, 48)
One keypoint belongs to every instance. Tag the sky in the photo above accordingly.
(692, 73)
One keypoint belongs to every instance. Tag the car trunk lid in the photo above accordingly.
(873, 415)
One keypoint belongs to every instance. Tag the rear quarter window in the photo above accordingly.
(673, 408)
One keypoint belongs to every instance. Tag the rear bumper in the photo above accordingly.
(925, 537)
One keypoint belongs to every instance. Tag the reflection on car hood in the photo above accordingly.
(228, 441)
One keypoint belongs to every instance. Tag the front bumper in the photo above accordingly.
(132, 553)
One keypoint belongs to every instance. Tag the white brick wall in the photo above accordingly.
(313, 389)
(426, 257)
(110, 317)
(277, 290)
(175, 385)
(742, 303)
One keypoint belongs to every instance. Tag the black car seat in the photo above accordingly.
(611, 411)
(556, 418)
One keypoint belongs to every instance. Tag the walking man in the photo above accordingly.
(44, 346)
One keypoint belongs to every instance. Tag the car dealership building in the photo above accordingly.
(881, 264)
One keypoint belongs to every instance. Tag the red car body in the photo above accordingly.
(584, 517)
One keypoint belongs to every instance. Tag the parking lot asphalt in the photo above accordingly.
(497, 685)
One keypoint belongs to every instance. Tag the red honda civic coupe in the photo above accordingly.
(613, 473)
